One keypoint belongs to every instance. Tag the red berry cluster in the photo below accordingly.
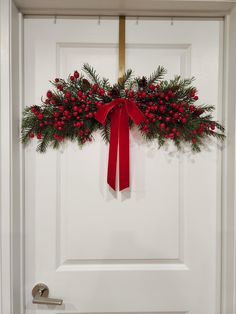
(166, 114)
(68, 108)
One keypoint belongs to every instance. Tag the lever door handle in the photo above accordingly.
(40, 294)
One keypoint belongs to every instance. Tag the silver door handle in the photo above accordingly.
(40, 294)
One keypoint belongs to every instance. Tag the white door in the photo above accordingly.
(155, 248)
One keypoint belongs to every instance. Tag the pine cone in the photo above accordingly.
(85, 84)
(115, 93)
(198, 112)
(142, 82)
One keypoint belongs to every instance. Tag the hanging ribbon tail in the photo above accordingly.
(124, 150)
(119, 137)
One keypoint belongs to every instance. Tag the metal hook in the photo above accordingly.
(99, 20)
(172, 21)
(55, 19)
(137, 20)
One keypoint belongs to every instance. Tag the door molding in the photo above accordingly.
(11, 162)
(5, 160)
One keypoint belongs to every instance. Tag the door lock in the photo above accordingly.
(40, 294)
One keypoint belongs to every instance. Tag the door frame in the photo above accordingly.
(12, 166)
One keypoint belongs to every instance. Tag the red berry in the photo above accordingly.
(162, 109)
(66, 113)
(162, 125)
(195, 97)
(56, 114)
(56, 80)
(95, 87)
(49, 94)
(184, 120)
(79, 93)
(72, 78)
(151, 86)
(39, 136)
(176, 115)
(76, 74)
(101, 91)
(75, 108)
(67, 94)
(194, 140)
(213, 126)
(60, 87)
(61, 108)
(31, 135)
(168, 119)
(40, 116)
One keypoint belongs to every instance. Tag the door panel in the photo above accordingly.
(155, 247)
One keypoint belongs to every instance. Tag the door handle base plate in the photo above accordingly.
(40, 289)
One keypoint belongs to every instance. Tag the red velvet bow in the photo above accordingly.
(122, 110)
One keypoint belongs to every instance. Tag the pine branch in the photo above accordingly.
(161, 141)
(105, 83)
(217, 135)
(219, 127)
(196, 148)
(105, 132)
(92, 74)
(125, 79)
(25, 135)
(157, 75)
(44, 142)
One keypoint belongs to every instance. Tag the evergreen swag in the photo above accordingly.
(170, 111)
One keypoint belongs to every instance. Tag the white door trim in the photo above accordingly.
(11, 212)
(5, 159)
